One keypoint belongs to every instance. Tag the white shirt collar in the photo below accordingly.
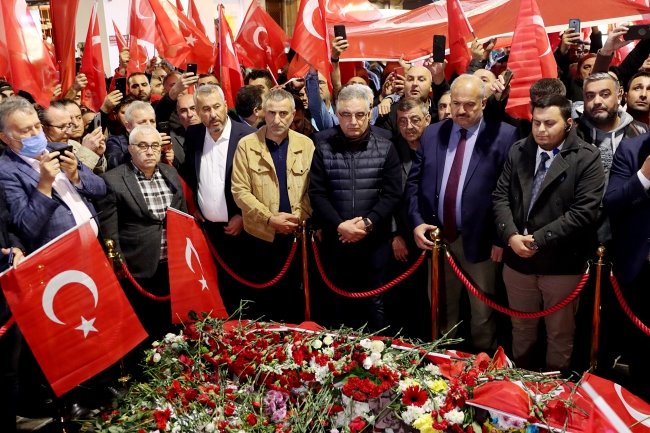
(225, 134)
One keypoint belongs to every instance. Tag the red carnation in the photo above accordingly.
(191, 394)
(415, 396)
(229, 410)
(357, 424)
(251, 419)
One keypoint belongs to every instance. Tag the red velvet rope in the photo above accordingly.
(519, 314)
(626, 308)
(6, 326)
(363, 294)
(140, 289)
(246, 282)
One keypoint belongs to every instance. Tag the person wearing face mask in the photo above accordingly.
(47, 192)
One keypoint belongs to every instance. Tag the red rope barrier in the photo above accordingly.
(246, 282)
(626, 308)
(140, 289)
(519, 314)
(6, 326)
(363, 294)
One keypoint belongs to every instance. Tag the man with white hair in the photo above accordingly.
(133, 215)
(355, 187)
(117, 146)
(455, 170)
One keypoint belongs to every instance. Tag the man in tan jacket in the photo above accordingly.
(270, 179)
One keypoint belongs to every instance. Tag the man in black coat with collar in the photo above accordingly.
(210, 149)
(133, 214)
(545, 208)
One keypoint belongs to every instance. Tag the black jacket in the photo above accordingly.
(563, 216)
(126, 219)
(364, 183)
(7, 238)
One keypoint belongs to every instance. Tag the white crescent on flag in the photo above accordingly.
(308, 16)
(537, 20)
(256, 36)
(189, 251)
(56, 284)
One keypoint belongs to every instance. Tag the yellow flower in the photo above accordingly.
(425, 424)
(438, 385)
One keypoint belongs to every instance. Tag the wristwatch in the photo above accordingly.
(368, 224)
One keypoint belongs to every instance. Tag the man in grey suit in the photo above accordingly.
(133, 214)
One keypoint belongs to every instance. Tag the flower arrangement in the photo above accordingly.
(238, 377)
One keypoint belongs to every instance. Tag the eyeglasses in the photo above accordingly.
(415, 121)
(144, 146)
(63, 128)
(348, 116)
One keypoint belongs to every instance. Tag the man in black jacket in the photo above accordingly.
(545, 207)
(354, 189)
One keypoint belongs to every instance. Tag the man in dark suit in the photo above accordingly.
(210, 148)
(628, 205)
(11, 342)
(545, 208)
(133, 215)
(450, 184)
(47, 193)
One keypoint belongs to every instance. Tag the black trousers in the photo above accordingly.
(10, 345)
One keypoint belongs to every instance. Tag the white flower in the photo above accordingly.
(155, 344)
(365, 343)
(403, 384)
(367, 363)
(328, 340)
(316, 344)
(433, 369)
(209, 428)
(455, 416)
(375, 356)
(169, 338)
(412, 413)
(156, 357)
(377, 346)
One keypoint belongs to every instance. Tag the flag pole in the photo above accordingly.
(219, 44)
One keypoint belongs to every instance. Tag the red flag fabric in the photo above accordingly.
(179, 6)
(203, 51)
(458, 28)
(64, 15)
(231, 79)
(530, 59)
(310, 39)
(121, 42)
(351, 11)
(73, 313)
(141, 28)
(192, 272)
(92, 65)
(170, 43)
(263, 40)
(24, 59)
(193, 15)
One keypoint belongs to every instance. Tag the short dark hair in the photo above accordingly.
(547, 87)
(248, 99)
(299, 106)
(407, 104)
(558, 101)
(68, 101)
(259, 73)
(635, 76)
(208, 75)
(169, 77)
(43, 113)
(135, 74)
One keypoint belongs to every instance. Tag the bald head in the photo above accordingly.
(467, 100)
(418, 83)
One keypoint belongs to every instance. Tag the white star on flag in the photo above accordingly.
(204, 284)
(191, 39)
(86, 326)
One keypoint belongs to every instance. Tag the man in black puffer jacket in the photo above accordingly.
(354, 189)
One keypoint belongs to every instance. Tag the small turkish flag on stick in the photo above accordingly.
(192, 272)
(73, 313)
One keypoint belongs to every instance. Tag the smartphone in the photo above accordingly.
(574, 23)
(191, 67)
(95, 124)
(399, 71)
(507, 76)
(641, 31)
(164, 128)
(59, 147)
(339, 30)
(120, 84)
(77, 67)
(439, 42)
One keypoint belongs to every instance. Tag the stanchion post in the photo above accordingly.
(595, 324)
(305, 270)
(435, 280)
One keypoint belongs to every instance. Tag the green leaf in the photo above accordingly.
(192, 315)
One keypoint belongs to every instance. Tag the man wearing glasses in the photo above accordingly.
(354, 189)
(133, 215)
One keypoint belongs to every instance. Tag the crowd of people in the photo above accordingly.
(374, 165)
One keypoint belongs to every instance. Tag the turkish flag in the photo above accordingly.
(192, 272)
(263, 41)
(351, 11)
(310, 39)
(193, 15)
(64, 15)
(73, 313)
(141, 28)
(458, 28)
(119, 39)
(228, 63)
(24, 59)
(530, 59)
(203, 51)
(92, 64)
(170, 43)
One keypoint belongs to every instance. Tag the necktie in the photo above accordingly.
(539, 178)
(451, 192)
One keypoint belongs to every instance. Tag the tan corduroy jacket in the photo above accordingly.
(255, 185)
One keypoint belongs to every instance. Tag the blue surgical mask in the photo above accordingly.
(33, 146)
